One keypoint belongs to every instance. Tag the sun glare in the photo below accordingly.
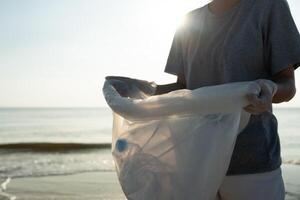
(176, 17)
(168, 15)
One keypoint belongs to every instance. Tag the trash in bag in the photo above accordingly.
(176, 145)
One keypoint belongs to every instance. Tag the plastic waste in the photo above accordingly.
(176, 145)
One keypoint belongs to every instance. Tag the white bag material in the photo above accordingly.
(175, 146)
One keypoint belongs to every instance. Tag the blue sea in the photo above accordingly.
(54, 141)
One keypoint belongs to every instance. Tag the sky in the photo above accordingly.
(56, 53)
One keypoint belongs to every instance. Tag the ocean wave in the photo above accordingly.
(48, 146)
(3, 187)
(292, 161)
(37, 175)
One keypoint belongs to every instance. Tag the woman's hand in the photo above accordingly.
(281, 89)
(126, 85)
(262, 102)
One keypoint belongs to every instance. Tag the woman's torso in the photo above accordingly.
(229, 48)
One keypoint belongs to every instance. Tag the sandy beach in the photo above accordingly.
(100, 186)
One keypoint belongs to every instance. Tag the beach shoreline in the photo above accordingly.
(99, 185)
(86, 185)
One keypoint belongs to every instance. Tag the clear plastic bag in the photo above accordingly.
(177, 145)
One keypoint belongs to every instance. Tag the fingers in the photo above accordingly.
(256, 109)
(267, 86)
(259, 104)
(253, 99)
(250, 109)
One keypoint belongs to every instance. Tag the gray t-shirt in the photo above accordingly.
(254, 39)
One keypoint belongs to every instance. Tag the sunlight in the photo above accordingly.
(176, 17)
(173, 12)
(167, 15)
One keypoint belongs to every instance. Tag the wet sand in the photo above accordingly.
(99, 185)
(83, 186)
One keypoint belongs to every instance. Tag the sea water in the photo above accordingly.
(52, 141)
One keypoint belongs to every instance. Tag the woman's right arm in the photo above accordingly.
(162, 89)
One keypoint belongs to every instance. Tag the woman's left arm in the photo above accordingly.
(282, 53)
(282, 89)
(286, 89)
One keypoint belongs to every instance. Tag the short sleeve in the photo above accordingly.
(282, 39)
(174, 63)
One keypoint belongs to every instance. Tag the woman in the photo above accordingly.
(242, 40)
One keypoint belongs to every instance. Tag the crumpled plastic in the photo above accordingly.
(176, 145)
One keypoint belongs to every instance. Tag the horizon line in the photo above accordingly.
(41, 107)
(92, 107)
